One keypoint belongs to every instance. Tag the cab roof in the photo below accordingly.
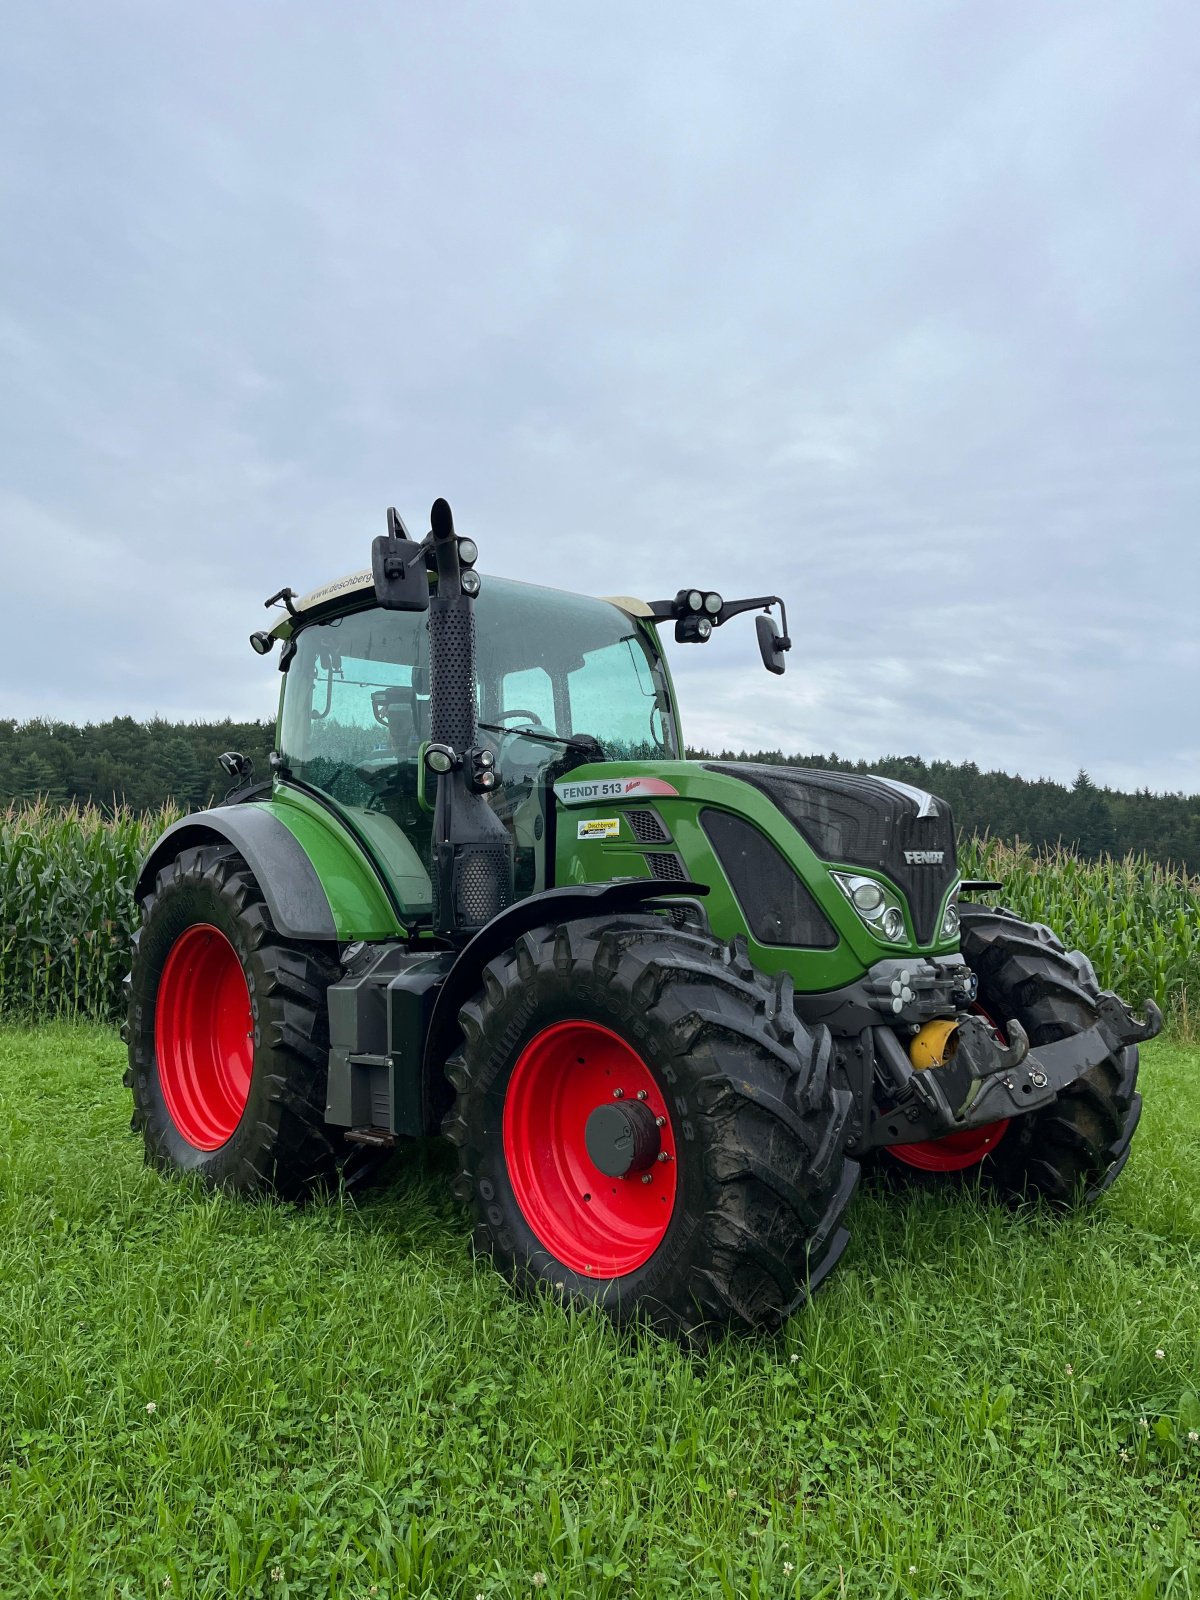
(355, 587)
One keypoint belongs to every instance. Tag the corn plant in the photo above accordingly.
(1139, 922)
(67, 911)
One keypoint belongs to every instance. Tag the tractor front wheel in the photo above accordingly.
(1072, 1151)
(644, 1124)
(228, 1038)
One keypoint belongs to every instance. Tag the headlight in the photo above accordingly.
(878, 905)
(950, 921)
(868, 898)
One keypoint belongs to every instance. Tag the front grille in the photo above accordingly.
(666, 866)
(647, 826)
(864, 821)
(775, 902)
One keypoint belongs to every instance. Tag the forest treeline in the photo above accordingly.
(145, 764)
(1082, 816)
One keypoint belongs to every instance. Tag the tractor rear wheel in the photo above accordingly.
(228, 1034)
(1072, 1151)
(644, 1124)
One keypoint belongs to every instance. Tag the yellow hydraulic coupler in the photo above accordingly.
(934, 1045)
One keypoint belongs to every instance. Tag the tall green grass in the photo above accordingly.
(67, 912)
(1138, 922)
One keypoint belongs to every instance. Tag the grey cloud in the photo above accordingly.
(893, 310)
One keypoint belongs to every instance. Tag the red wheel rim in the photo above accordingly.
(955, 1152)
(597, 1225)
(204, 1036)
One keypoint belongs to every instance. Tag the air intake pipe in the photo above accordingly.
(472, 853)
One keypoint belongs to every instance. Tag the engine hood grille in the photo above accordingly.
(866, 822)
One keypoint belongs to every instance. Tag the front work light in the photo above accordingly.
(693, 629)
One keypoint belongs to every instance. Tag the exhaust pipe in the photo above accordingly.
(472, 853)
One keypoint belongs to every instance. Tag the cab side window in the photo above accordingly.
(355, 714)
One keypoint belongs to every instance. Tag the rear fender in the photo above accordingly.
(293, 885)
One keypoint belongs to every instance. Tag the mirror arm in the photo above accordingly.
(734, 608)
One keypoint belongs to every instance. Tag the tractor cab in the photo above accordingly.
(561, 679)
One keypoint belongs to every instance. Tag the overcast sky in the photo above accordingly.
(891, 307)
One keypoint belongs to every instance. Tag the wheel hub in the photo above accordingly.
(622, 1137)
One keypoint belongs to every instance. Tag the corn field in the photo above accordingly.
(1138, 922)
(67, 911)
(66, 907)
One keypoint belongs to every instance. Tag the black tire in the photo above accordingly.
(1072, 1151)
(758, 1122)
(281, 1143)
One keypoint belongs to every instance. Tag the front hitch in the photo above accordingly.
(983, 1053)
(988, 1079)
(1118, 1019)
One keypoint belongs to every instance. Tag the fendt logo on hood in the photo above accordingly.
(924, 858)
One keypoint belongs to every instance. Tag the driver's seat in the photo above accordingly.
(396, 708)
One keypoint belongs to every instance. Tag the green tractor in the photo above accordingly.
(663, 1009)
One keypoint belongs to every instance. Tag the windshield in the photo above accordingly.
(573, 666)
(356, 712)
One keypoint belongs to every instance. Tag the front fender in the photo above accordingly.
(553, 906)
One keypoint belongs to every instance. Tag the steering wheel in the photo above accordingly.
(506, 740)
(503, 716)
(376, 769)
(534, 725)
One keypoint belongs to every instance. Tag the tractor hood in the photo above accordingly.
(865, 821)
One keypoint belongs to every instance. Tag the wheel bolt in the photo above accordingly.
(641, 1094)
(663, 1156)
(618, 1094)
(645, 1177)
(660, 1122)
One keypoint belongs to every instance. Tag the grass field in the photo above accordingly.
(204, 1397)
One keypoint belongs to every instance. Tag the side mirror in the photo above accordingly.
(771, 644)
(398, 568)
